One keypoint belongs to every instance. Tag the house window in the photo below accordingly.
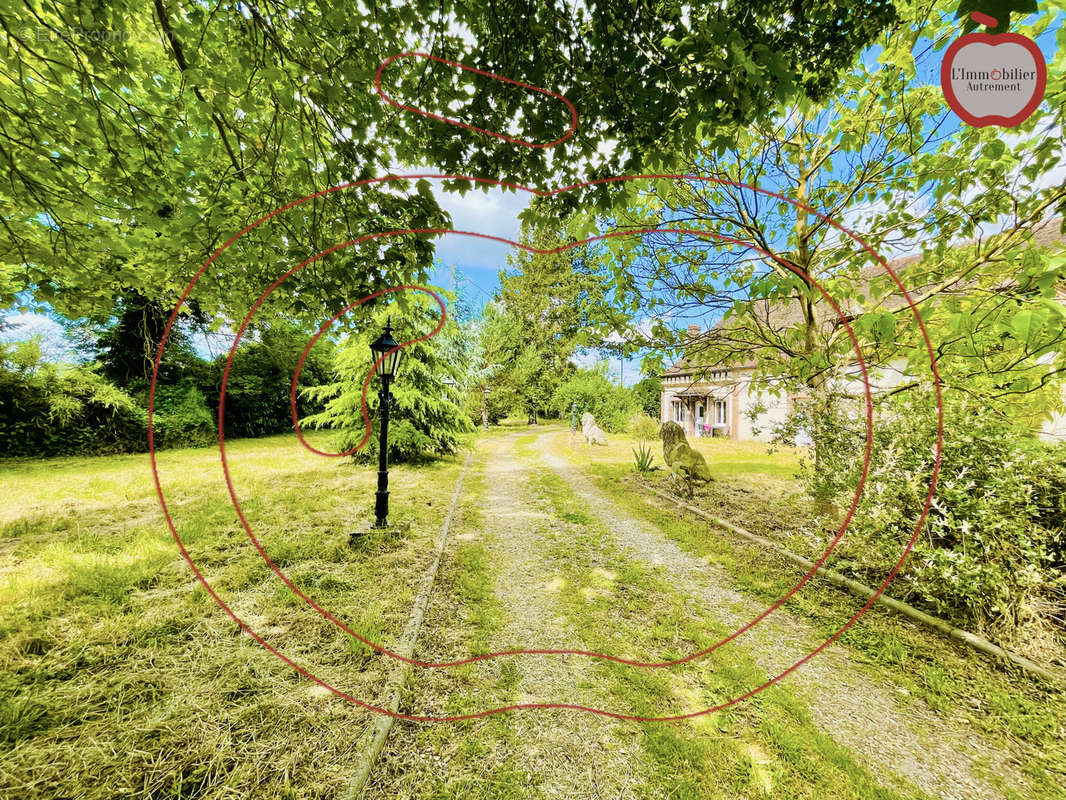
(719, 412)
(679, 412)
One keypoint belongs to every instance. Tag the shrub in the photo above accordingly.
(643, 428)
(992, 551)
(611, 405)
(54, 410)
(182, 418)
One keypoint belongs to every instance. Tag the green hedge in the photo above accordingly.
(57, 412)
(992, 551)
(64, 410)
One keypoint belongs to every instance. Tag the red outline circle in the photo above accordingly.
(450, 121)
(488, 712)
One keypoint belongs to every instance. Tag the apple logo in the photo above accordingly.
(993, 79)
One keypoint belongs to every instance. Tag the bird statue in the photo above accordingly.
(686, 465)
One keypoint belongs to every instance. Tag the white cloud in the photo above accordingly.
(494, 213)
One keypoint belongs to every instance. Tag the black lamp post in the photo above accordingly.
(387, 349)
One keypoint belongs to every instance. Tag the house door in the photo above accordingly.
(701, 418)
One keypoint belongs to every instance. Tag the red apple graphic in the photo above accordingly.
(993, 79)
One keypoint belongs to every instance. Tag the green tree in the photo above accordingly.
(613, 406)
(546, 296)
(258, 392)
(500, 342)
(888, 157)
(126, 344)
(648, 391)
(138, 137)
(426, 418)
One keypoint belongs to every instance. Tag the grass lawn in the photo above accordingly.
(120, 676)
(753, 489)
(725, 457)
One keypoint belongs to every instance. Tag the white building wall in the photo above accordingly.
(881, 378)
(1054, 429)
(776, 412)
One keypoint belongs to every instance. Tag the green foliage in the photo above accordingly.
(426, 417)
(643, 460)
(49, 410)
(164, 137)
(992, 551)
(643, 428)
(1000, 10)
(885, 153)
(181, 417)
(258, 392)
(169, 127)
(539, 320)
(612, 406)
(648, 391)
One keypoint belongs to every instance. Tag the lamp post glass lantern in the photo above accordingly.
(387, 350)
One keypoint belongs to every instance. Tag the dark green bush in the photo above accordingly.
(258, 393)
(182, 418)
(51, 410)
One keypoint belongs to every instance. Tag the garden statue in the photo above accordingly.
(593, 433)
(685, 463)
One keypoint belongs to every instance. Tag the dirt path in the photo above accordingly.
(915, 743)
(551, 754)
(509, 580)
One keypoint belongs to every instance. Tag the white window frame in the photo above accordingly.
(721, 412)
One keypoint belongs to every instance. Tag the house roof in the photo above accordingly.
(784, 314)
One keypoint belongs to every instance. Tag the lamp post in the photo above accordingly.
(387, 350)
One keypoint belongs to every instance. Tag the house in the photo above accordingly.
(708, 401)
(722, 399)
(718, 401)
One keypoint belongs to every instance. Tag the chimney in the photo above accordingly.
(693, 331)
